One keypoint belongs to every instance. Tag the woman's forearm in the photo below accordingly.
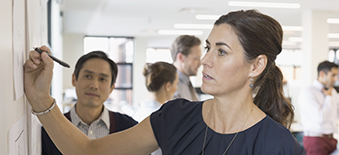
(64, 134)
(70, 140)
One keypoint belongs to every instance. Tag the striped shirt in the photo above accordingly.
(97, 129)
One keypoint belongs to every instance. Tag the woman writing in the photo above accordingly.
(248, 114)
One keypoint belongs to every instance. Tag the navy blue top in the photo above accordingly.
(179, 128)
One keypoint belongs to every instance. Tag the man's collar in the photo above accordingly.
(104, 117)
(183, 78)
(318, 84)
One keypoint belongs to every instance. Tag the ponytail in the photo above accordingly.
(269, 97)
(260, 34)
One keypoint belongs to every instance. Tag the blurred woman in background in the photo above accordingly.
(161, 82)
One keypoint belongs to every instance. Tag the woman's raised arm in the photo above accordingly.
(67, 137)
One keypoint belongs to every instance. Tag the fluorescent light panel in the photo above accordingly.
(180, 32)
(207, 17)
(193, 26)
(264, 4)
(295, 39)
(333, 35)
(292, 28)
(333, 20)
(288, 43)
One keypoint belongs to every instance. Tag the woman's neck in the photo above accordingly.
(160, 96)
(231, 116)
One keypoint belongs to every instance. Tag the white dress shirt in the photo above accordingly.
(318, 112)
(97, 129)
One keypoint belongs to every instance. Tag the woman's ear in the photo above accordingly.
(168, 86)
(258, 65)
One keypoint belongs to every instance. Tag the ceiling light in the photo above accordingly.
(194, 10)
(292, 28)
(333, 35)
(288, 43)
(193, 26)
(207, 17)
(333, 20)
(180, 32)
(295, 39)
(264, 4)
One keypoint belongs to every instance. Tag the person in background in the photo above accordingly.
(319, 111)
(161, 82)
(186, 54)
(239, 62)
(94, 79)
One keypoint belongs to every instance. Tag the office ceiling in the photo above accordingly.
(143, 18)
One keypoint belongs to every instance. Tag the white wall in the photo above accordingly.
(139, 88)
(34, 35)
(73, 49)
(56, 44)
(10, 110)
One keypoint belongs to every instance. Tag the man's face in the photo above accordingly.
(94, 83)
(191, 62)
(330, 78)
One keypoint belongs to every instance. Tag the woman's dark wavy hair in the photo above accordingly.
(157, 74)
(260, 34)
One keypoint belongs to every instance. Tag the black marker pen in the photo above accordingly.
(54, 58)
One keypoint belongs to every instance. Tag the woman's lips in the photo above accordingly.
(206, 76)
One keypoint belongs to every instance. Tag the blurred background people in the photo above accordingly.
(161, 82)
(186, 54)
(319, 111)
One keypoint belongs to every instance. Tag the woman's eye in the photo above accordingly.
(221, 52)
(87, 76)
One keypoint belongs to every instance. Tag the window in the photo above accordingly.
(289, 61)
(158, 54)
(333, 55)
(121, 51)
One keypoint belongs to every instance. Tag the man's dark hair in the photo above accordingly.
(97, 54)
(326, 66)
(183, 45)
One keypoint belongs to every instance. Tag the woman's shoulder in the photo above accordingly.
(272, 134)
(270, 127)
(177, 109)
(181, 105)
(176, 117)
